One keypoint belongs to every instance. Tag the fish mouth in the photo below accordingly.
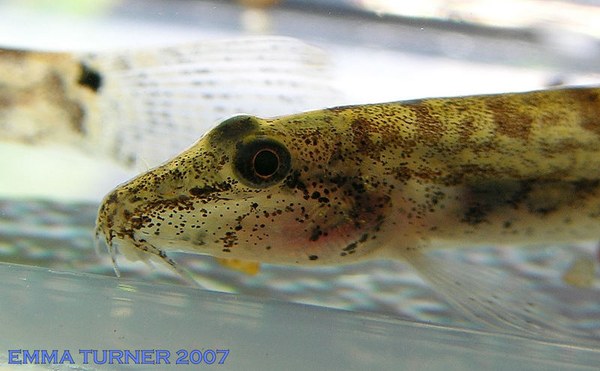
(117, 227)
(99, 238)
(129, 218)
(104, 231)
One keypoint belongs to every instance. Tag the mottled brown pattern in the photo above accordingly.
(41, 99)
(363, 130)
(376, 180)
(535, 197)
(509, 118)
(466, 129)
(16, 55)
(429, 126)
(56, 90)
(589, 107)
(6, 99)
(401, 173)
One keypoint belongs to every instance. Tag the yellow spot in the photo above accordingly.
(243, 266)
(258, 3)
(580, 273)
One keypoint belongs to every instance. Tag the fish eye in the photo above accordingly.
(261, 162)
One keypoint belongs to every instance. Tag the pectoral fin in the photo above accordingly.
(496, 299)
(248, 267)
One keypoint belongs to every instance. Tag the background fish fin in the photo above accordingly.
(496, 299)
(155, 103)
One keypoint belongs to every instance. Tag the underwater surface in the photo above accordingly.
(377, 314)
(59, 236)
(257, 333)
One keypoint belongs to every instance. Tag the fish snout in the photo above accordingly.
(115, 215)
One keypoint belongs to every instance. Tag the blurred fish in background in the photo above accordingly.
(131, 108)
(146, 106)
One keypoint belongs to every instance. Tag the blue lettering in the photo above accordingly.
(209, 356)
(196, 356)
(182, 359)
(162, 355)
(66, 357)
(115, 354)
(97, 361)
(147, 357)
(49, 358)
(31, 356)
(225, 353)
(85, 353)
(131, 358)
(13, 357)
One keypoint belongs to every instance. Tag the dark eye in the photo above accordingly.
(262, 162)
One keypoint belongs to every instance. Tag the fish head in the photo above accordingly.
(291, 190)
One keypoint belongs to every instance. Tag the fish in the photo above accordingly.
(140, 107)
(380, 181)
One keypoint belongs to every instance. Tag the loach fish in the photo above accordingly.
(380, 181)
(141, 107)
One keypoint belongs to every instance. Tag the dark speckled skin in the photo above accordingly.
(378, 180)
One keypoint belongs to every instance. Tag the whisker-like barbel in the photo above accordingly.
(377, 181)
(342, 184)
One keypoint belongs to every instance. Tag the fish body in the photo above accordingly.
(376, 181)
(332, 186)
